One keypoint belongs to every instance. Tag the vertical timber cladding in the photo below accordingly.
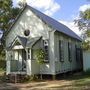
(34, 20)
(69, 62)
(28, 20)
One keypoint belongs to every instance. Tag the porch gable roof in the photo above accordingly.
(25, 42)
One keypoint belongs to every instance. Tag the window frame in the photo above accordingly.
(28, 51)
(69, 51)
(61, 51)
(46, 44)
(78, 53)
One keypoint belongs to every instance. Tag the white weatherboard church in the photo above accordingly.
(33, 30)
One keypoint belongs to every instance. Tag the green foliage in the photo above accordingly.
(2, 65)
(2, 53)
(8, 14)
(86, 14)
(84, 25)
(40, 56)
(88, 33)
(30, 78)
(86, 45)
(84, 19)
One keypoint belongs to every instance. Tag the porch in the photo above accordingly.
(17, 61)
(20, 57)
(22, 63)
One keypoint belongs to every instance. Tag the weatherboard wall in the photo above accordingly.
(66, 65)
(28, 20)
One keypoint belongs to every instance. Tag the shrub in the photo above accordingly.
(40, 55)
(30, 78)
(2, 65)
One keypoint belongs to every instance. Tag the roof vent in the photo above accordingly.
(27, 32)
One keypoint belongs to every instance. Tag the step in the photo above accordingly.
(15, 78)
(22, 73)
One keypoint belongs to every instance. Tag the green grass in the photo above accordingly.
(76, 82)
(82, 81)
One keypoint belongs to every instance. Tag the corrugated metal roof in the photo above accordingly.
(28, 42)
(25, 42)
(22, 41)
(50, 21)
(55, 24)
(32, 41)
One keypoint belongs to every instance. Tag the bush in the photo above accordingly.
(2, 65)
(30, 78)
(40, 55)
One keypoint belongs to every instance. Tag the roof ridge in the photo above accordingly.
(50, 21)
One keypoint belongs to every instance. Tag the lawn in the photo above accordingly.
(68, 82)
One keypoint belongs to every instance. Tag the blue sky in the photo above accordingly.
(64, 11)
(69, 8)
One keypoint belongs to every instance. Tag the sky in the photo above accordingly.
(64, 11)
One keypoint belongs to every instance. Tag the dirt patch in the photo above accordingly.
(73, 82)
(46, 85)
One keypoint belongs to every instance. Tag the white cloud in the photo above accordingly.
(84, 7)
(40, 3)
(54, 7)
(72, 26)
(49, 7)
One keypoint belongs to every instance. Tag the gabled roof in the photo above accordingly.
(28, 42)
(25, 42)
(22, 41)
(52, 22)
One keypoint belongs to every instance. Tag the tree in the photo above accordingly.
(8, 14)
(84, 25)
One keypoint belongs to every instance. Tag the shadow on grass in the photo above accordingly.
(37, 85)
(78, 81)
(72, 76)
(8, 86)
